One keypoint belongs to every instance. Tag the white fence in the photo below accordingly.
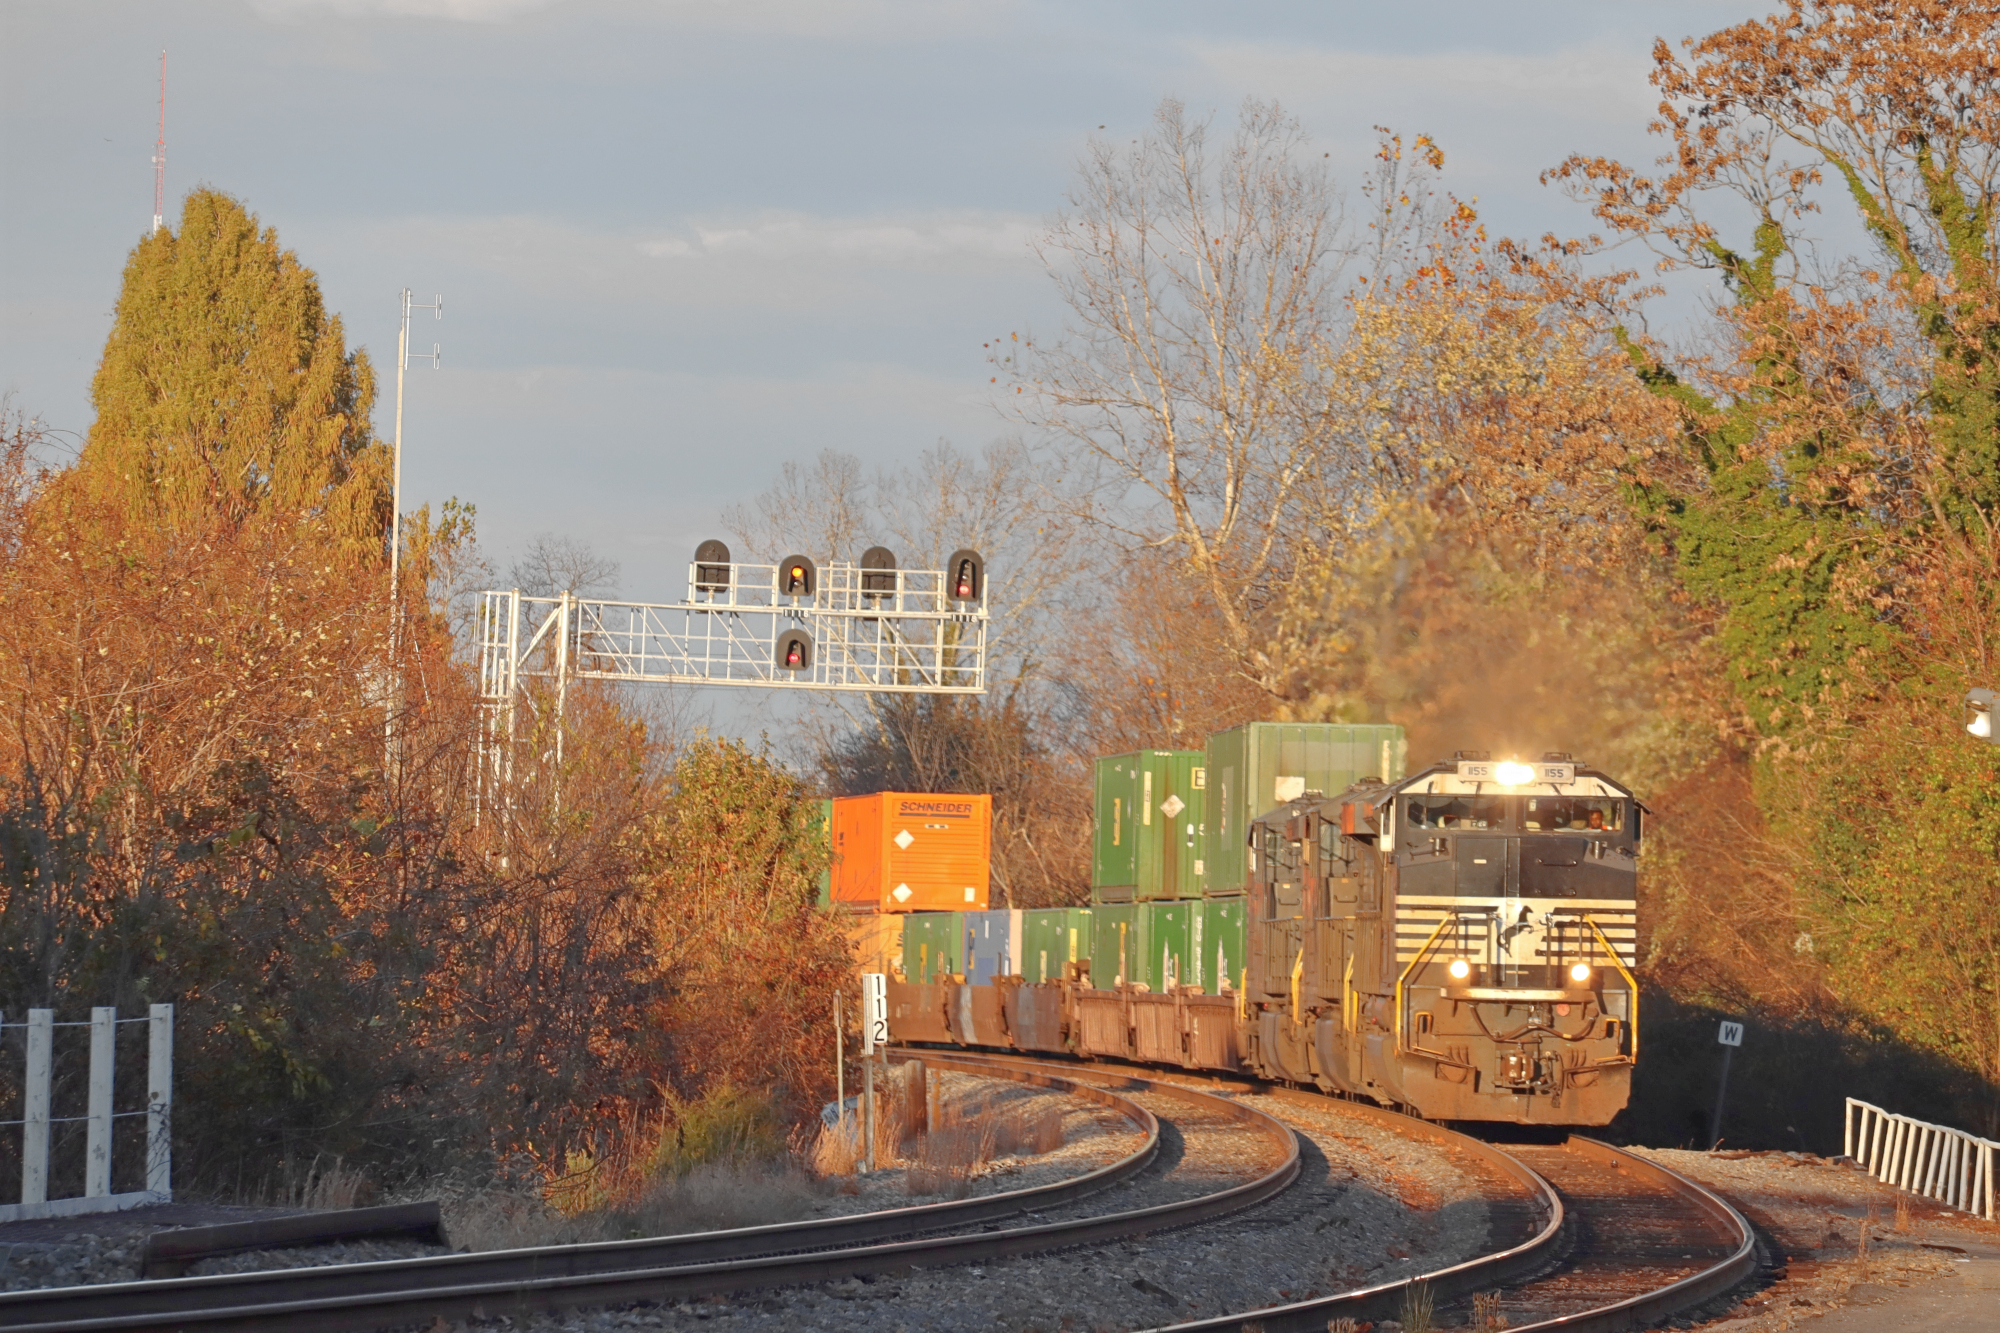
(36, 1119)
(1948, 1165)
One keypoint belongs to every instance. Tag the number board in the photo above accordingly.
(874, 1011)
(1731, 1034)
(1477, 772)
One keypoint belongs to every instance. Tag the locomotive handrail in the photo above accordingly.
(1631, 983)
(1402, 980)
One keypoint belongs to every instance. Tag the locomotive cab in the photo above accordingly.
(1459, 943)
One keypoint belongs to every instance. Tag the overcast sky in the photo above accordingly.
(681, 242)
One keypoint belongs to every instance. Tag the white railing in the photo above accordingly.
(36, 1118)
(1938, 1162)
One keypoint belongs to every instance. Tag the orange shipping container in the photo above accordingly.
(912, 851)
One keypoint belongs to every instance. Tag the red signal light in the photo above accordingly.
(795, 656)
(966, 584)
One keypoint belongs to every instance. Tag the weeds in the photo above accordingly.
(945, 1160)
(1902, 1215)
(1417, 1301)
(1486, 1316)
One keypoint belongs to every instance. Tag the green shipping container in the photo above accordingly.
(1219, 946)
(1147, 944)
(1167, 936)
(1147, 844)
(1052, 938)
(822, 831)
(1261, 765)
(1114, 943)
(933, 945)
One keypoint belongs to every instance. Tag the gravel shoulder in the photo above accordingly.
(108, 1247)
(1369, 1205)
(1943, 1268)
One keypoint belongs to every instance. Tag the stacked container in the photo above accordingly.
(1219, 946)
(1052, 938)
(1256, 767)
(820, 826)
(1150, 809)
(911, 851)
(876, 938)
(1143, 944)
(992, 945)
(933, 946)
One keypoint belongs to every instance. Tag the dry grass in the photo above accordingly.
(321, 1183)
(1486, 1316)
(836, 1151)
(945, 1160)
(1903, 1216)
(1417, 1308)
(713, 1196)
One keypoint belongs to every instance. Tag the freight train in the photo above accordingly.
(1457, 943)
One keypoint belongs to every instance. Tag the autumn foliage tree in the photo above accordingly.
(369, 959)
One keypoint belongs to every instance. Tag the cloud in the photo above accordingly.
(463, 11)
(924, 240)
(894, 19)
(1571, 83)
(864, 267)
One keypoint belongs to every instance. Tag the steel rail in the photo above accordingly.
(1486, 1272)
(361, 1296)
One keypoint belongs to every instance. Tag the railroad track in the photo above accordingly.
(1608, 1241)
(519, 1282)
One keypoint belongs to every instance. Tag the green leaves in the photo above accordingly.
(227, 389)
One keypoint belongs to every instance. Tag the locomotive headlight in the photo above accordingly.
(1579, 973)
(1512, 774)
(1460, 969)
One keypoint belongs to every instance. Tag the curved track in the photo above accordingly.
(515, 1282)
(1611, 1241)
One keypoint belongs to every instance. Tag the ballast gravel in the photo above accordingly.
(1369, 1206)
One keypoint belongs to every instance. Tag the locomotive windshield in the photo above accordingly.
(1572, 814)
(1457, 811)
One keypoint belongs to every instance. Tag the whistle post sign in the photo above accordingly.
(874, 1011)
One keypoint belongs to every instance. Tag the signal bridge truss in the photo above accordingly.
(876, 631)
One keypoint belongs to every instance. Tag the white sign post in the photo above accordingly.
(874, 1032)
(874, 1011)
(1729, 1037)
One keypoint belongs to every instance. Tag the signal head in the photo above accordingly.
(794, 651)
(711, 567)
(797, 577)
(965, 578)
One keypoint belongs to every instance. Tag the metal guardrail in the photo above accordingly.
(1949, 1165)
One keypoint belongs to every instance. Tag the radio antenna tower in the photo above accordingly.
(160, 153)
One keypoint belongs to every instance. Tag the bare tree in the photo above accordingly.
(823, 509)
(553, 565)
(1202, 295)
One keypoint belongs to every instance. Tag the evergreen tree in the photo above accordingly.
(226, 389)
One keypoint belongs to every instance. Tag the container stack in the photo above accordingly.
(911, 852)
(894, 860)
(1168, 863)
(1168, 868)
